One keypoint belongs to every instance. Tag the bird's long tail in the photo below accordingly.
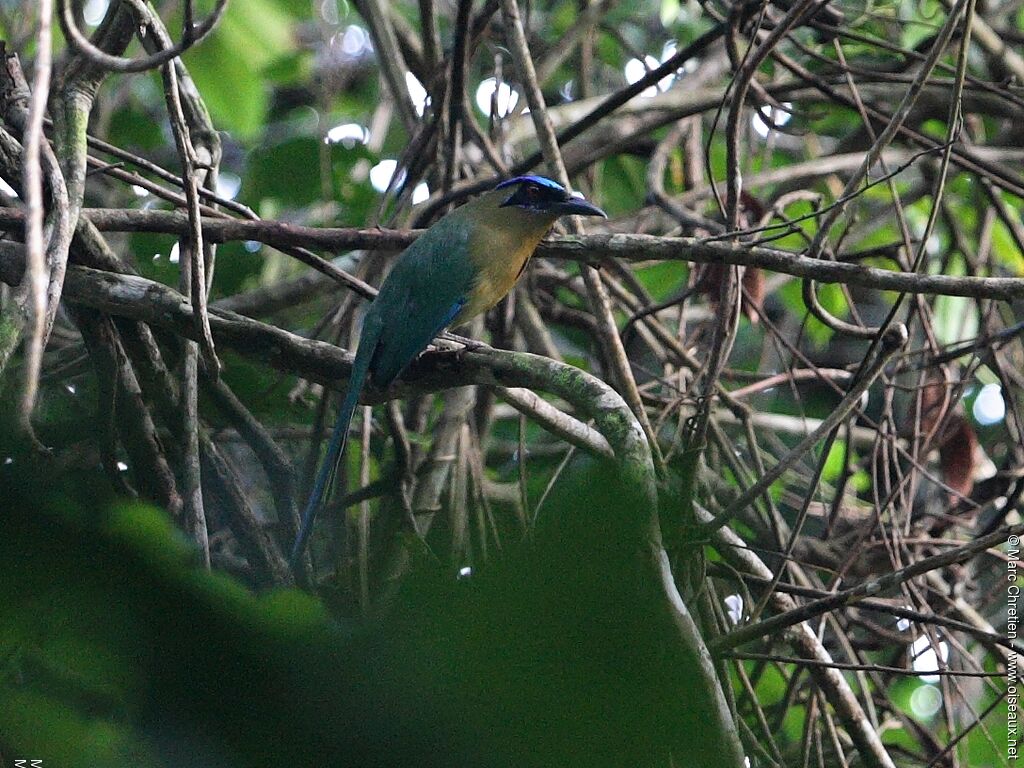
(335, 450)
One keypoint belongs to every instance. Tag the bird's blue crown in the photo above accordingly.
(541, 180)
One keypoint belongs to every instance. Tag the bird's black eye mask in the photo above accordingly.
(541, 195)
(535, 197)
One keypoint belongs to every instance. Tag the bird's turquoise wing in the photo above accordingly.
(429, 284)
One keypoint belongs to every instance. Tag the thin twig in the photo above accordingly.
(36, 272)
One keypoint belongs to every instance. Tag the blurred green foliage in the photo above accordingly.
(116, 649)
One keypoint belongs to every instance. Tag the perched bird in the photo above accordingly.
(462, 266)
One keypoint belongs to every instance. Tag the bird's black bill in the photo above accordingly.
(577, 206)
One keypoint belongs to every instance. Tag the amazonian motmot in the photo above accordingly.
(462, 266)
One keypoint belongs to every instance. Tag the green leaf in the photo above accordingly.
(226, 66)
(289, 172)
(133, 128)
(956, 319)
(664, 279)
(834, 461)
(1004, 246)
(622, 185)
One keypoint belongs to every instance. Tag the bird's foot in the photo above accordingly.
(467, 346)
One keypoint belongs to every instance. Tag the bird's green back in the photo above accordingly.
(425, 290)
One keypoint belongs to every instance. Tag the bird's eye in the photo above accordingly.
(532, 192)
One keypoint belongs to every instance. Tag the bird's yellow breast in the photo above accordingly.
(500, 252)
